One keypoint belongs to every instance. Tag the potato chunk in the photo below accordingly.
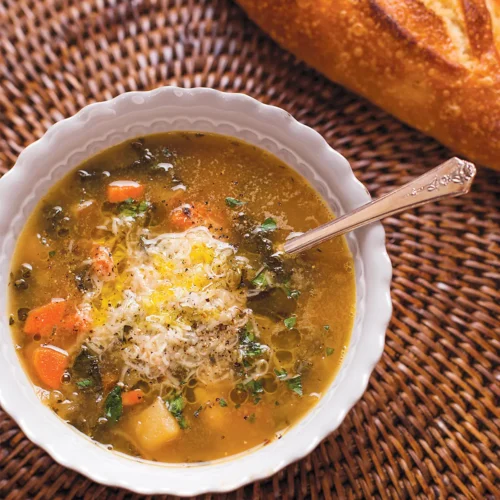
(155, 426)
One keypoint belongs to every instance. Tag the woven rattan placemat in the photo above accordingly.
(428, 425)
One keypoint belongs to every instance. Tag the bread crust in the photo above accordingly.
(434, 64)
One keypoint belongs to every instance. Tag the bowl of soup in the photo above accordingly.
(155, 336)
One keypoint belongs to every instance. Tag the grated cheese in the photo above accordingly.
(175, 309)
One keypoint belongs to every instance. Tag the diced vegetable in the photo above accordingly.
(75, 323)
(155, 426)
(217, 417)
(44, 319)
(186, 216)
(119, 191)
(109, 379)
(191, 215)
(131, 398)
(102, 262)
(113, 407)
(50, 364)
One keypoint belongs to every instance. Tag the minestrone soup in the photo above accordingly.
(153, 306)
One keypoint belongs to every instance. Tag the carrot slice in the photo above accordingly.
(102, 262)
(131, 398)
(49, 365)
(119, 191)
(109, 379)
(190, 215)
(75, 323)
(44, 319)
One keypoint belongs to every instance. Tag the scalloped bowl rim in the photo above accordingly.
(212, 111)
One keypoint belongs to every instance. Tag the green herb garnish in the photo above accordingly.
(281, 374)
(197, 412)
(268, 225)
(129, 208)
(52, 253)
(247, 333)
(222, 402)
(290, 322)
(291, 294)
(326, 327)
(249, 345)
(261, 280)
(175, 406)
(329, 351)
(254, 387)
(233, 202)
(252, 350)
(113, 407)
(251, 418)
(86, 382)
(295, 384)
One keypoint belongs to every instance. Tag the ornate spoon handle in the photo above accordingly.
(452, 178)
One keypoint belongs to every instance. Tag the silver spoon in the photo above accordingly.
(452, 178)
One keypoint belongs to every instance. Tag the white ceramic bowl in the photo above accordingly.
(101, 125)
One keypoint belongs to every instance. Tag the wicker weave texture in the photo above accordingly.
(429, 423)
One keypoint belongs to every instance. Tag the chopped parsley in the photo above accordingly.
(175, 406)
(326, 327)
(261, 280)
(290, 322)
(52, 253)
(233, 202)
(130, 208)
(249, 346)
(281, 374)
(86, 382)
(291, 294)
(251, 418)
(329, 351)
(268, 225)
(295, 384)
(222, 402)
(113, 407)
(254, 387)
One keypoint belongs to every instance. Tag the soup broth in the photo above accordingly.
(155, 311)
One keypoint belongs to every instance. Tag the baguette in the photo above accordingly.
(433, 64)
